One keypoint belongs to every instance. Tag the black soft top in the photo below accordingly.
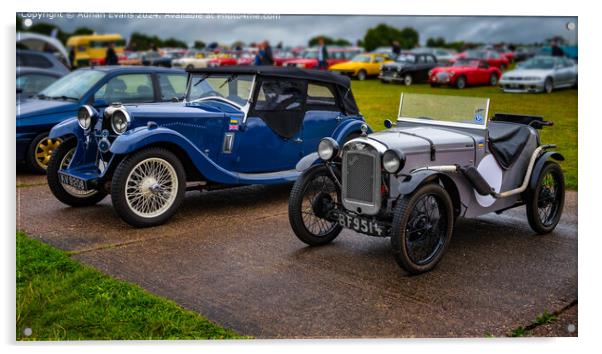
(279, 71)
(342, 82)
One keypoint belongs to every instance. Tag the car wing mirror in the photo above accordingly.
(389, 124)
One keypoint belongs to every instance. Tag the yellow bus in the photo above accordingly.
(92, 49)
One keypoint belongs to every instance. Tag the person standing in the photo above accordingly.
(556, 50)
(396, 48)
(268, 58)
(72, 58)
(111, 58)
(322, 55)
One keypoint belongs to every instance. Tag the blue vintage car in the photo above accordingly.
(237, 126)
(97, 87)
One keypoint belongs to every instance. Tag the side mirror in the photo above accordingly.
(99, 102)
(389, 124)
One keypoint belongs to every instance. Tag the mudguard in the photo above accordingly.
(539, 166)
(415, 180)
(66, 127)
(347, 127)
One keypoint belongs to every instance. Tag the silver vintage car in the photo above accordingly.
(540, 74)
(443, 159)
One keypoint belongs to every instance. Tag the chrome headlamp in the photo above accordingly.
(393, 161)
(328, 149)
(120, 120)
(85, 115)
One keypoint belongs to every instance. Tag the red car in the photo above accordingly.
(492, 57)
(465, 72)
(222, 61)
(309, 58)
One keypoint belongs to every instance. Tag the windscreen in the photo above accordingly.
(445, 110)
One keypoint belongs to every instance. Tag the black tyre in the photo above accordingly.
(422, 228)
(312, 196)
(408, 80)
(40, 151)
(545, 202)
(148, 187)
(362, 75)
(548, 85)
(61, 158)
(461, 82)
(493, 80)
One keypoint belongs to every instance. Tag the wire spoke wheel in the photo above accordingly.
(43, 151)
(320, 192)
(545, 202)
(425, 229)
(313, 196)
(151, 187)
(64, 164)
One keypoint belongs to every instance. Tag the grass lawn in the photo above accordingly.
(61, 299)
(378, 101)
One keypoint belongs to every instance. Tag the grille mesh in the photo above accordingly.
(360, 177)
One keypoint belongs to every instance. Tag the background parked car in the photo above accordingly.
(408, 68)
(309, 58)
(361, 66)
(492, 57)
(540, 74)
(131, 58)
(30, 81)
(465, 72)
(444, 56)
(191, 60)
(42, 60)
(99, 87)
(524, 53)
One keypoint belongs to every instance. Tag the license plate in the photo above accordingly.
(74, 182)
(359, 224)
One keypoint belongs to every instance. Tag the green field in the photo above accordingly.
(378, 101)
(61, 299)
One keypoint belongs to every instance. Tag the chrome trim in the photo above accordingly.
(523, 186)
(228, 143)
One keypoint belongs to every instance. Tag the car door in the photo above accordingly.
(375, 65)
(420, 68)
(323, 113)
(271, 139)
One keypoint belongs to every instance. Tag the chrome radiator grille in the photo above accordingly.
(360, 177)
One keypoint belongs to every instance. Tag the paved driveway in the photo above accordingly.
(232, 256)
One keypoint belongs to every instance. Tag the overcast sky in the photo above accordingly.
(297, 29)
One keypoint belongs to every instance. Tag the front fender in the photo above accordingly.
(414, 180)
(67, 127)
(139, 138)
(539, 166)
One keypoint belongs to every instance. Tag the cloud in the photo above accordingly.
(297, 29)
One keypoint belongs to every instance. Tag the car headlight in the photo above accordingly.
(328, 148)
(393, 161)
(120, 121)
(85, 115)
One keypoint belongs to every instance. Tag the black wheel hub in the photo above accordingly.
(322, 204)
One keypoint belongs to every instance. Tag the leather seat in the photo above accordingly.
(507, 141)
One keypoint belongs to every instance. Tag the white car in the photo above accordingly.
(540, 74)
(191, 60)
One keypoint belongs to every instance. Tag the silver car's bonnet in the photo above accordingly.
(523, 73)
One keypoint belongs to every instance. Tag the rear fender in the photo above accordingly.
(539, 166)
(139, 138)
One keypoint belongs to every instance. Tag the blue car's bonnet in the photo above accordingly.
(36, 107)
(171, 110)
